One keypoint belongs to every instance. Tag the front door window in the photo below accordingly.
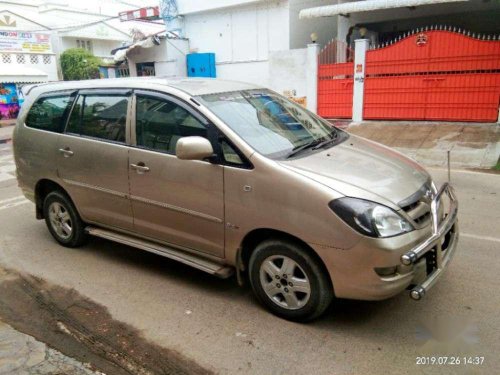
(160, 124)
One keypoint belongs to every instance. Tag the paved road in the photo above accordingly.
(222, 328)
(22, 354)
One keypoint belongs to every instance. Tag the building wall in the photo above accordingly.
(255, 72)
(100, 48)
(193, 6)
(241, 37)
(169, 58)
(27, 17)
(287, 72)
(44, 62)
(301, 30)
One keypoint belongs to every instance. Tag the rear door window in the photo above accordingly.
(100, 116)
(49, 112)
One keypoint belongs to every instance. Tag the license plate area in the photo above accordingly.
(431, 260)
(431, 257)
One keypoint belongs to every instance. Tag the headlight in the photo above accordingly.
(370, 218)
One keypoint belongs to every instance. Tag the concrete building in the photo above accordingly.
(70, 27)
(253, 39)
(34, 34)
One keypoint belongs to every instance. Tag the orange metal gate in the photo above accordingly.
(434, 75)
(335, 80)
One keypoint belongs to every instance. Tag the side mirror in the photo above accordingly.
(193, 148)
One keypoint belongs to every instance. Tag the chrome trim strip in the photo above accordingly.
(97, 188)
(175, 208)
(145, 200)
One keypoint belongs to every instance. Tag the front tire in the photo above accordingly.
(63, 220)
(289, 281)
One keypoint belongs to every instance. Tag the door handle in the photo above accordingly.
(140, 167)
(66, 152)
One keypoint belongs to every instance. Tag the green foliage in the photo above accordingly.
(78, 63)
(497, 167)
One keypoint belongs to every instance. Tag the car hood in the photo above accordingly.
(361, 168)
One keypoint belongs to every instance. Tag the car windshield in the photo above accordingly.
(273, 125)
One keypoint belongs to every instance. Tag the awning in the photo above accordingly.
(120, 54)
(22, 74)
(366, 6)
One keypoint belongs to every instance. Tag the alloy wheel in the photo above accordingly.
(60, 220)
(285, 282)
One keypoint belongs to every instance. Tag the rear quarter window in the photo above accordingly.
(48, 112)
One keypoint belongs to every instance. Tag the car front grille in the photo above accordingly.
(417, 206)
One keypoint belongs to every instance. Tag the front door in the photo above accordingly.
(176, 201)
(93, 158)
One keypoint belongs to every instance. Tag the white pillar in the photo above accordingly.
(361, 47)
(343, 25)
(312, 76)
(132, 67)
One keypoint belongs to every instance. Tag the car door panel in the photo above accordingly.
(176, 201)
(94, 170)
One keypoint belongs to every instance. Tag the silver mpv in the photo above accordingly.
(232, 178)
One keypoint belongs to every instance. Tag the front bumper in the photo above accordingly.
(443, 233)
(420, 257)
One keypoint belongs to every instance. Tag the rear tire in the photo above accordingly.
(289, 281)
(63, 220)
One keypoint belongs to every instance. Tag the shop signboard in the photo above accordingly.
(25, 42)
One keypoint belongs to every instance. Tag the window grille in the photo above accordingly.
(6, 58)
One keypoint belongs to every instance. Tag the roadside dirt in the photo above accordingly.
(84, 330)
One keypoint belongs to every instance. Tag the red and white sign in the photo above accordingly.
(147, 13)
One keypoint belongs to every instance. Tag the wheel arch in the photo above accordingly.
(42, 188)
(256, 236)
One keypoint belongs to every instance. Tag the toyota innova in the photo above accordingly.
(229, 177)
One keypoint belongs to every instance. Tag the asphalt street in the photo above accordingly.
(221, 327)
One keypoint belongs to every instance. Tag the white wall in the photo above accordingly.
(100, 48)
(50, 68)
(241, 34)
(169, 58)
(301, 30)
(193, 6)
(254, 72)
(287, 71)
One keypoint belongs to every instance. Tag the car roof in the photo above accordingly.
(191, 86)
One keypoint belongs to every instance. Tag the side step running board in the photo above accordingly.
(200, 263)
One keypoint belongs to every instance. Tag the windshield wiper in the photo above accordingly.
(327, 142)
(312, 144)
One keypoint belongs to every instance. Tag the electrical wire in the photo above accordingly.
(72, 27)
